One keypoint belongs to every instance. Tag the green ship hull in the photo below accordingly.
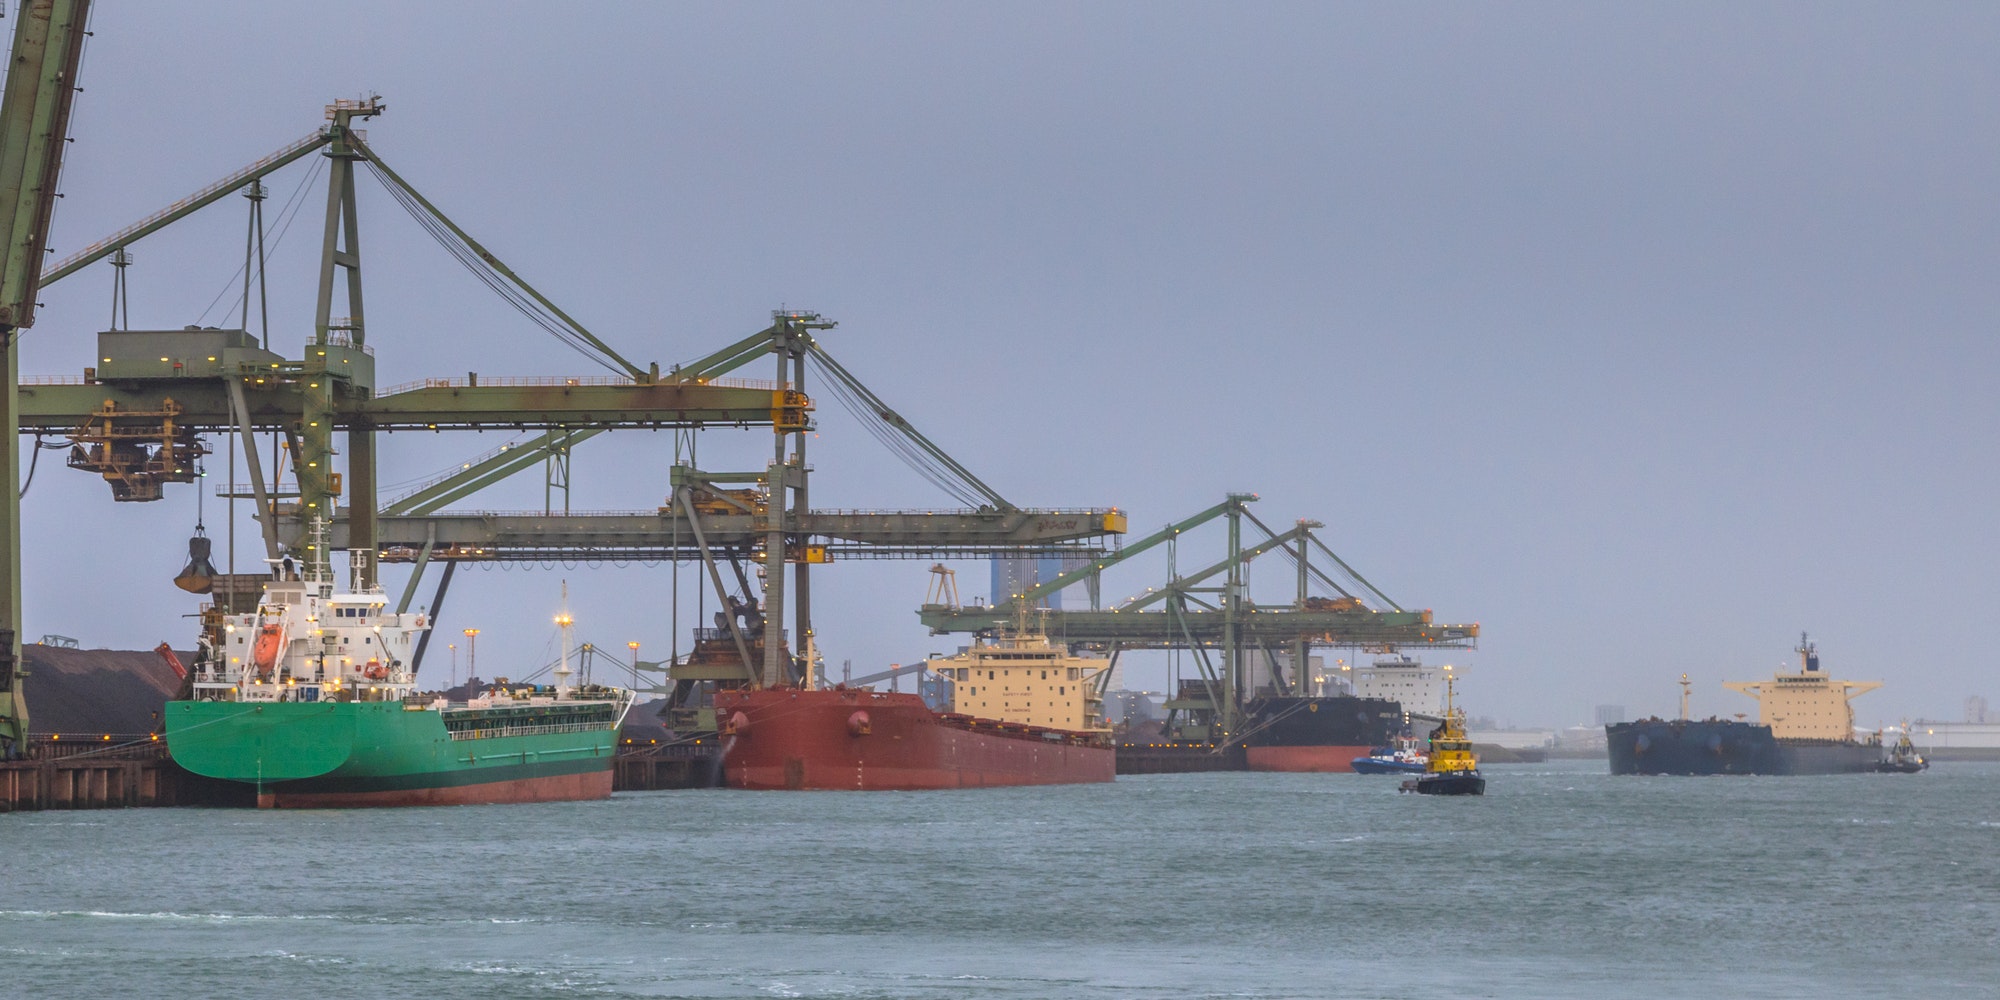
(369, 753)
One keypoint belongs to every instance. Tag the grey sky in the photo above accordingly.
(1645, 335)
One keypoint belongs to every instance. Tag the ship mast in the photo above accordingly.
(565, 621)
(1684, 697)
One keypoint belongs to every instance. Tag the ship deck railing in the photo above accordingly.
(669, 750)
(502, 731)
(55, 746)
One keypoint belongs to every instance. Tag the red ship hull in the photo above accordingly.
(548, 788)
(784, 738)
(1313, 760)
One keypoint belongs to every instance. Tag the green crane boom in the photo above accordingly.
(1171, 531)
(183, 208)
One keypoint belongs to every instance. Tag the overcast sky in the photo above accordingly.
(1646, 336)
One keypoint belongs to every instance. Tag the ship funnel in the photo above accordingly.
(198, 577)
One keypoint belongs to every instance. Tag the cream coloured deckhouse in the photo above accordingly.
(1806, 704)
(1028, 680)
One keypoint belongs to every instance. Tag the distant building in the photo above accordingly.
(1511, 739)
(1975, 709)
(1133, 706)
(1015, 574)
(1586, 739)
(1610, 715)
(1257, 673)
(1930, 736)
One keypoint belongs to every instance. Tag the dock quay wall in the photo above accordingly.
(115, 772)
(662, 768)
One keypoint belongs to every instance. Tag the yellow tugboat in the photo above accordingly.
(1453, 770)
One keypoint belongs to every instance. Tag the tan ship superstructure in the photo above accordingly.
(1024, 712)
(1806, 704)
(1027, 680)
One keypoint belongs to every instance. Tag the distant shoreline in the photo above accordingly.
(1960, 753)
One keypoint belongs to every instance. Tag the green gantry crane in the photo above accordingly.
(137, 419)
(1209, 610)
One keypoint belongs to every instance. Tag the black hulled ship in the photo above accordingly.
(1806, 727)
(1316, 734)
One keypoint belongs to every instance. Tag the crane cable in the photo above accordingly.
(887, 434)
(894, 433)
(485, 272)
(286, 214)
(35, 458)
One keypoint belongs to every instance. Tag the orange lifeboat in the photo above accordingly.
(270, 642)
(375, 671)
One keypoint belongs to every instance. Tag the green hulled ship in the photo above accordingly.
(311, 699)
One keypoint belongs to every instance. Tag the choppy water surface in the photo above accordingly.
(1561, 882)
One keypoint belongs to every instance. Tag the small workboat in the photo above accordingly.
(1404, 759)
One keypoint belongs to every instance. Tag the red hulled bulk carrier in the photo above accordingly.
(1025, 712)
(865, 740)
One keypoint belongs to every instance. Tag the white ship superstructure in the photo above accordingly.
(1419, 688)
(307, 642)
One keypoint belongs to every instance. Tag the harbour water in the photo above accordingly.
(1561, 882)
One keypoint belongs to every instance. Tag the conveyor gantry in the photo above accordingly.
(58, 406)
(664, 535)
